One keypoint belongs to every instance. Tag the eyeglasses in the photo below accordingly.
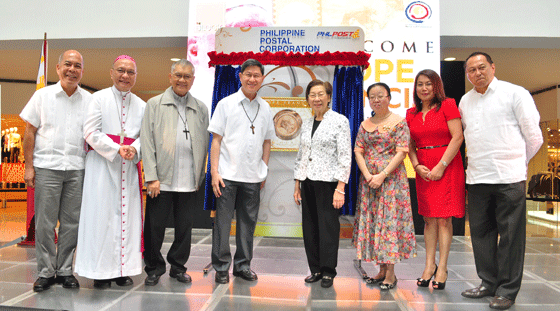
(380, 97)
(318, 95)
(255, 76)
(178, 76)
(122, 71)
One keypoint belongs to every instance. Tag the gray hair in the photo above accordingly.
(252, 62)
(182, 62)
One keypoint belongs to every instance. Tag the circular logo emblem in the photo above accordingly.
(418, 12)
(287, 124)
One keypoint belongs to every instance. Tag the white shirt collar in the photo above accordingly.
(59, 89)
(491, 87)
(241, 97)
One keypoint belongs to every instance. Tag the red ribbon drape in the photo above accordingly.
(292, 59)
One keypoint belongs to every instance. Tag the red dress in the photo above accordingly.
(445, 197)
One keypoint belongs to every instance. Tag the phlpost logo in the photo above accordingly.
(339, 34)
(418, 12)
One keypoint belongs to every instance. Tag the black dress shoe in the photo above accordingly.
(314, 277)
(67, 281)
(123, 281)
(248, 275)
(326, 281)
(501, 303)
(477, 292)
(43, 284)
(181, 277)
(151, 280)
(222, 277)
(102, 284)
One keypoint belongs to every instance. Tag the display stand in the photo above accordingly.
(344, 56)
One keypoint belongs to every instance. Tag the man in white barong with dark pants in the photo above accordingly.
(109, 238)
(54, 165)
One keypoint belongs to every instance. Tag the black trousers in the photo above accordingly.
(181, 205)
(320, 226)
(498, 210)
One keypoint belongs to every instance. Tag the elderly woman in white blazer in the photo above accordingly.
(322, 169)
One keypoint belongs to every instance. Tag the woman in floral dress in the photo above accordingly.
(384, 229)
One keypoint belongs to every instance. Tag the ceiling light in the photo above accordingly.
(448, 59)
(175, 59)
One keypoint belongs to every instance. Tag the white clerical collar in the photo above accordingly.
(119, 93)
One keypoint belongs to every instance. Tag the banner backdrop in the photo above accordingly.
(401, 36)
(292, 39)
(402, 41)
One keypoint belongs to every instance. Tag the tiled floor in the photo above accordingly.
(281, 266)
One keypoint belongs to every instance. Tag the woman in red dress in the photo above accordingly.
(436, 136)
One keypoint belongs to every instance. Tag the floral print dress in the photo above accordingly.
(384, 228)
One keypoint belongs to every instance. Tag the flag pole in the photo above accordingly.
(45, 48)
(30, 224)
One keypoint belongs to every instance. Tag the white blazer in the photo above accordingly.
(328, 155)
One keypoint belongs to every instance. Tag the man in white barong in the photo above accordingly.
(242, 129)
(109, 237)
(54, 165)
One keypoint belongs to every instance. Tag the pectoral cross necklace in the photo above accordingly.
(258, 108)
(122, 134)
(122, 122)
(186, 131)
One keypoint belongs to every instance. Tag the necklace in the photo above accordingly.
(122, 122)
(385, 127)
(258, 108)
(385, 117)
(184, 120)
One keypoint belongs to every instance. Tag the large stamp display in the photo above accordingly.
(289, 113)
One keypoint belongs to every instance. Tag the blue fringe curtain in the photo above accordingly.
(348, 100)
(226, 82)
